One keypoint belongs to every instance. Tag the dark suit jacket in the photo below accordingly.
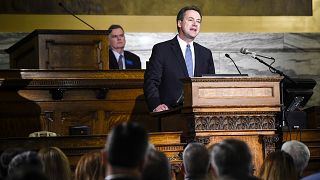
(162, 84)
(132, 60)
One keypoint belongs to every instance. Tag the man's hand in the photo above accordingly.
(161, 107)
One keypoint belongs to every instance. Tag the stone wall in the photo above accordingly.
(296, 54)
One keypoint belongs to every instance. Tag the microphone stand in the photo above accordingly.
(274, 69)
(73, 14)
(281, 88)
(228, 56)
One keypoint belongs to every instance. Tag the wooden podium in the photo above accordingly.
(216, 108)
(61, 49)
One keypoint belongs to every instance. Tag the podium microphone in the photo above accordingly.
(227, 55)
(253, 54)
(73, 14)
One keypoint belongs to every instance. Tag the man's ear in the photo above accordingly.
(179, 23)
(213, 172)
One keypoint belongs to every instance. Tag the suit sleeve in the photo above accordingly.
(211, 69)
(138, 62)
(152, 79)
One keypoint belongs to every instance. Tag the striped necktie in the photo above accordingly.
(188, 59)
(120, 64)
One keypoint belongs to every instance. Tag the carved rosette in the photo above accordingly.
(269, 143)
(234, 122)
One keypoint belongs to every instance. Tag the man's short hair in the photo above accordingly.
(299, 152)
(232, 157)
(25, 160)
(126, 145)
(156, 166)
(182, 13)
(114, 26)
(196, 160)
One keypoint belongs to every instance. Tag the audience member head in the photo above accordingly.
(196, 161)
(56, 163)
(5, 159)
(156, 166)
(24, 161)
(278, 165)
(117, 39)
(90, 166)
(126, 147)
(299, 152)
(232, 158)
(182, 15)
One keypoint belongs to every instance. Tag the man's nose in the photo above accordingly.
(194, 23)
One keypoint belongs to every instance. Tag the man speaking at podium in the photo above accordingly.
(174, 60)
(118, 57)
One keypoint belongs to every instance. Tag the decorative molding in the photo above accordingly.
(269, 143)
(170, 147)
(234, 122)
(237, 79)
(175, 157)
(203, 139)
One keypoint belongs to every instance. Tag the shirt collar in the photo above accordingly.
(116, 54)
(183, 44)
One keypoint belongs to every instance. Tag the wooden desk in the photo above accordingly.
(37, 100)
(310, 137)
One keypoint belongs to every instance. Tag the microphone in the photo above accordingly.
(73, 14)
(253, 54)
(227, 55)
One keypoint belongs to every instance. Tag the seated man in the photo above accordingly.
(118, 57)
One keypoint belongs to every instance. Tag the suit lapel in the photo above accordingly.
(198, 59)
(113, 61)
(125, 60)
(179, 56)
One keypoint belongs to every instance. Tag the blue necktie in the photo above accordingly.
(120, 62)
(188, 59)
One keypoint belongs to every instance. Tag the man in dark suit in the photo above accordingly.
(174, 60)
(118, 57)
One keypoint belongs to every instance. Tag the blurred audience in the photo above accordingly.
(24, 162)
(299, 152)
(90, 166)
(28, 174)
(156, 166)
(56, 163)
(196, 162)
(231, 159)
(5, 158)
(125, 151)
(278, 165)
